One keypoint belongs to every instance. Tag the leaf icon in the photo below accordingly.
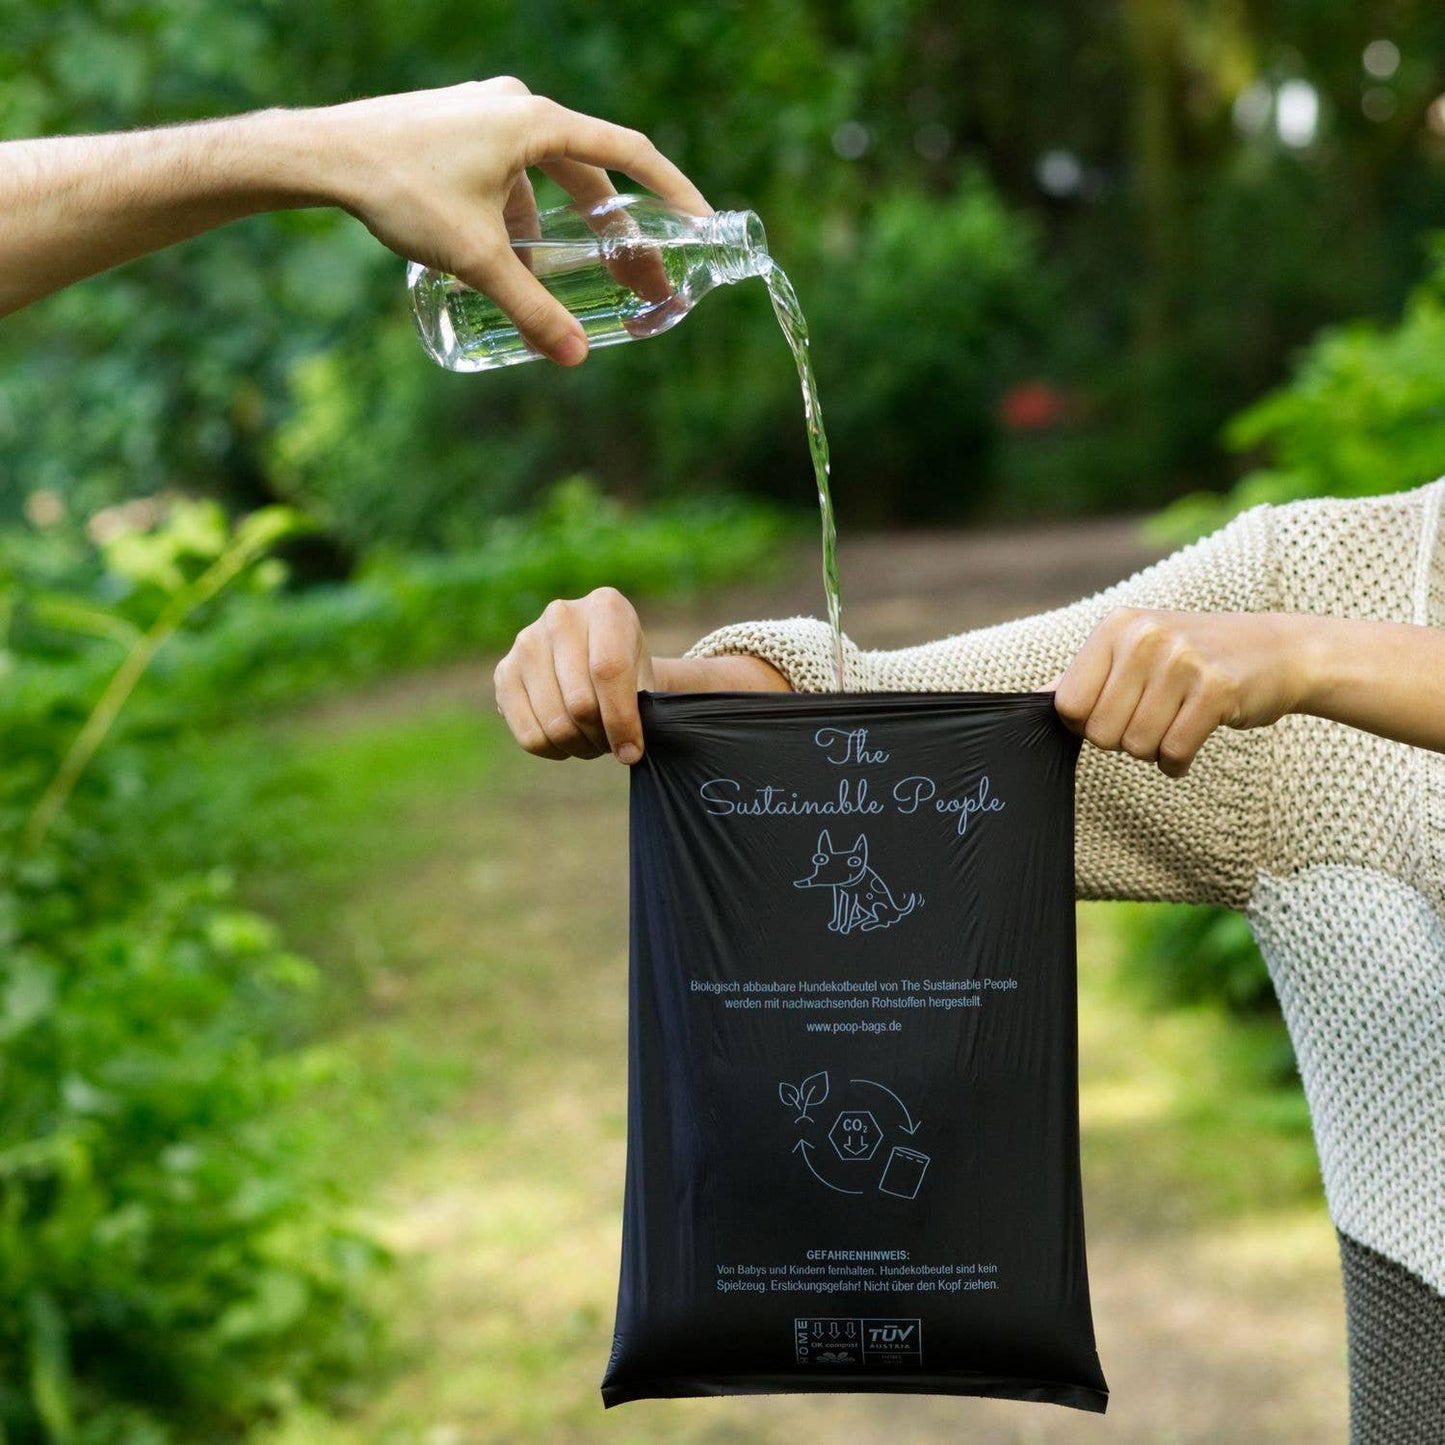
(789, 1094)
(814, 1089)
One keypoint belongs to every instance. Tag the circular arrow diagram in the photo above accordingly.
(909, 1126)
(807, 1149)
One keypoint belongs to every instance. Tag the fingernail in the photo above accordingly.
(628, 753)
(572, 352)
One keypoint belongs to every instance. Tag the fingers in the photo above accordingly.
(519, 215)
(1153, 716)
(1078, 689)
(1190, 730)
(588, 185)
(519, 130)
(1137, 686)
(516, 710)
(577, 726)
(565, 734)
(543, 322)
(578, 137)
(568, 687)
(614, 658)
(639, 266)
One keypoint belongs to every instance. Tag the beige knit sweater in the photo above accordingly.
(1330, 839)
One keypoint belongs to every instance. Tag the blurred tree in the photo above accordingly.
(1184, 158)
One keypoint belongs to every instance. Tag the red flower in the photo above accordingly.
(1033, 406)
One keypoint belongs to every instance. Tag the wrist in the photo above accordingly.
(290, 159)
(347, 155)
(1312, 657)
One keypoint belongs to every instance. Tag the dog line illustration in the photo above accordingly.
(861, 899)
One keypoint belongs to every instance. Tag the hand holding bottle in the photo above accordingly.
(440, 176)
(627, 267)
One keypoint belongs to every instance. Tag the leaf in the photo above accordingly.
(27, 995)
(57, 1154)
(69, 614)
(50, 1377)
(261, 530)
(279, 1301)
(815, 1089)
(196, 528)
(146, 558)
(790, 1096)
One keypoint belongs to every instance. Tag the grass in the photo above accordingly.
(467, 907)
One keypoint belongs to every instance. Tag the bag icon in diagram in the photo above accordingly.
(903, 1174)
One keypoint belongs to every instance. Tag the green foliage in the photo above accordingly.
(270, 646)
(406, 610)
(181, 367)
(164, 1254)
(928, 312)
(1362, 415)
(274, 358)
(172, 1264)
(922, 310)
(169, 1265)
(194, 534)
(1181, 955)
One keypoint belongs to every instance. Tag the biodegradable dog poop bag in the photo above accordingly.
(852, 1142)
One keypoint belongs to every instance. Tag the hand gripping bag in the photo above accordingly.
(852, 1149)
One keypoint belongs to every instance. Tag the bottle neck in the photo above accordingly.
(739, 245)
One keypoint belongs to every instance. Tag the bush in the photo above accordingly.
(923, 319)
(922, 309)
(169, 1264)
(407, 610)
(172, 1264)
(167, 1261)
(1362, 415)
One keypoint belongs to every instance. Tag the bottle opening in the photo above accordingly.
(741, 245)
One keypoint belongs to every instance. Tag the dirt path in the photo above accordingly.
(905, 587)
(899, 588)
(510, 942)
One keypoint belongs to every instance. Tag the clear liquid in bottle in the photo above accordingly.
(628, 268)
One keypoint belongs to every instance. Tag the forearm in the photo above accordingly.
(75, 205)
(717, 674)
(1386, 678)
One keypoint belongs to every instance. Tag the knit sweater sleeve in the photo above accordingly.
(1138, 833)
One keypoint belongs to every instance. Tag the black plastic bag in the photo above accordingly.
(852, 1150)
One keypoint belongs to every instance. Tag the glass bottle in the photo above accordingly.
(629, 267)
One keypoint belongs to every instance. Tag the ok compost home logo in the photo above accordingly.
(841, 1340)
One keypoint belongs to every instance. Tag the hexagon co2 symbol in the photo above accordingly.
(855, 1136)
